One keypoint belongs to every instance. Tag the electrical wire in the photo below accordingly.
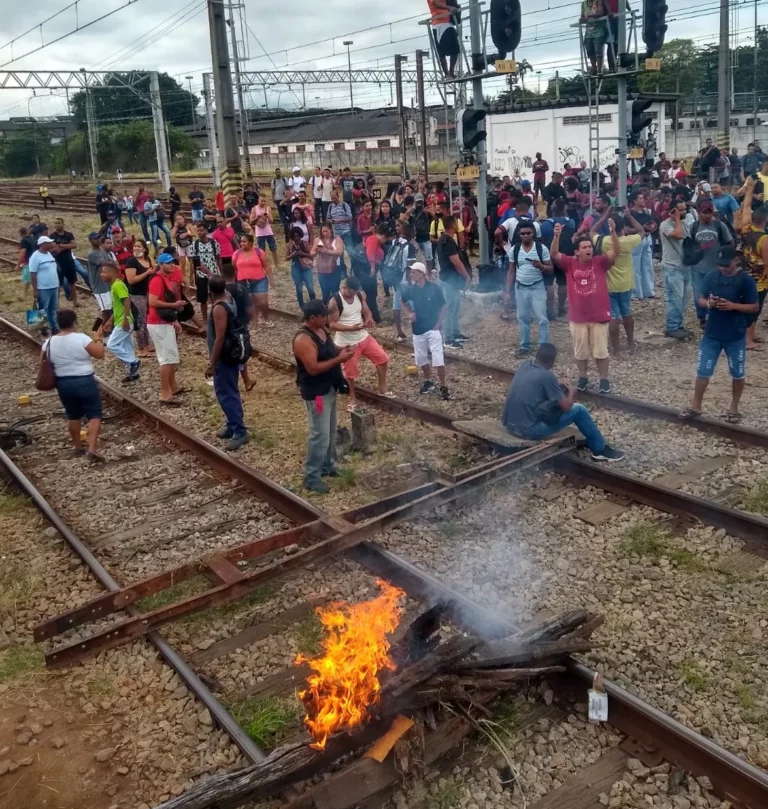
(38, 25)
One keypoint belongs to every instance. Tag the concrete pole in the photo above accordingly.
(477, 93)
(754, 83)
(723, 83)
(161, 144)
(621, 85)
(422, 112)
(244, 137)
(226, 130)
(210, 125)
(400, 113)
(91, 124)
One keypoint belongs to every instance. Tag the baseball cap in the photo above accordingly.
(419, 265)
(418, 197)
(526, 183)
(45, 240)
(165, 258)
(296, 168)
(726, 255)
(706, 205)
(706, 188)
(93, 235)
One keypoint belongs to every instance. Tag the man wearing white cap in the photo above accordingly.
(45, 280)
(423, 303)
(297, 182)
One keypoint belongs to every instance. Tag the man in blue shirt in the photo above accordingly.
(547, 226)
(529, 260)
(538, 406)
(725, 205)
(730, 294)
(44, 275)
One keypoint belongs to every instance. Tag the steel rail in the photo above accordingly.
(737, 433)
(219, 713)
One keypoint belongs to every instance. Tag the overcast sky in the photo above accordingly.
(173, 37)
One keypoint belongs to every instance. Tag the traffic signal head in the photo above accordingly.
(505, 25)
(654, 26)
(637, 118)
(469, 129)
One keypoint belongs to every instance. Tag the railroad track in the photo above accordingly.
(647, 732)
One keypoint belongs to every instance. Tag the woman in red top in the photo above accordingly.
(220, 202)
(254, 272)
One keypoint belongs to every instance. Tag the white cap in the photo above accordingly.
(418, 265)
(45, 240)
(706, 188)
(296, 168)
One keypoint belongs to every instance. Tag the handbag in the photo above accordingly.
(46, 376)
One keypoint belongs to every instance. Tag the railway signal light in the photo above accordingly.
(505, 25)
(638, 118)
(654, 25)
(470, 131)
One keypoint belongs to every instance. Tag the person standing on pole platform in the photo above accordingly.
(592, 12)
(319, 377)
(446, 38)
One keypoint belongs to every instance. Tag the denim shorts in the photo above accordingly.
(396, 298)
(709, 352)
(80, 396)
(260, 287)
(263, 241)
(621, 304)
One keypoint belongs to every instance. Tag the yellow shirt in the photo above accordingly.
(621, 277)
(437, 229)
(43, 191)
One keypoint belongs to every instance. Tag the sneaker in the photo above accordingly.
(608, 454)
(334, 473)
(224, 432)
(581, 383)
(236, 442)
(605, 386)
(134, 369)
(317, 486)
(445, 393)
(427, 386)
(454, 344)
(462, 338)
(678, 334)
(522, 352)
(130, 378)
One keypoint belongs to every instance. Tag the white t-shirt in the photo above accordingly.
(317, 185)
(296, 183)
(327, 188)
(68, 354)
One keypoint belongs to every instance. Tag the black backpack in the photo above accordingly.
(597, 250)
(340, 301)
(692, 250)
(237, 347)
(518, 245)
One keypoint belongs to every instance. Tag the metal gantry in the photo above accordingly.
(250, 78)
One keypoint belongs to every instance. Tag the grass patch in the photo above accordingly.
(18, 661)
(347, 478)
(447, 796)
(746, 698)
(101, 686)
(450, 529)
(213, 416)
(263, 438)
(267, 720)
(227, 611)
(17, 587)
(649, 541)
(693, 674)
(388, 441)
(309, 635)
(756, 499)
(177, 592)
(12, 503)
(509, 715)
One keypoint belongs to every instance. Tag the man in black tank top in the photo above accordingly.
(319, 377)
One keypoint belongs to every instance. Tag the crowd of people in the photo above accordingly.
(562, 245)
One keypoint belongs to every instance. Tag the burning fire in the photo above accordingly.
(345, 683)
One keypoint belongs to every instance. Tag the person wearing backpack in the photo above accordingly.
(224, 362)
(529, 261)
(707, 236)
(567, 235)
(507, 236)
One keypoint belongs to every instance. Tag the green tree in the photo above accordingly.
(681, 69)
(125, 97)
(25, 153)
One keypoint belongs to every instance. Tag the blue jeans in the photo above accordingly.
(130, 213)
(144, 229)
(709, 353)
(225, 378)
(120, 343)
(160, 226)
(677, 289)
(697, 281)
(302, 277)
(531, 301)
(197, 214)
(329, 284)
(642, 266)
(452, 295)
(578, 415)
(82, 272)
(321, 442)
(48, 299)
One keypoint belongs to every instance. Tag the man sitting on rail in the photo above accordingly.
(538, 406)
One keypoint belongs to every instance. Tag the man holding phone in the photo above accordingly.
(730, 294)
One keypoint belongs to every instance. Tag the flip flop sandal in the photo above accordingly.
(169, 403)
(688, 413)
(249, 388)
(732, 418)
(390, 395)
(755, 348)
(351, 408)
(180, 391)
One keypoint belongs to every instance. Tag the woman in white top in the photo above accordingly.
(328, 251)
(71, 353)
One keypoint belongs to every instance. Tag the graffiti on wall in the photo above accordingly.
(573, 156)
(506, 161)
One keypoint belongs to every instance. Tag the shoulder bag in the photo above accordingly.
(46, 376)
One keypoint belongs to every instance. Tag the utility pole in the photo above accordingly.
(349, 43)
(229, 152)
(210, 125)
(422, 112)
(161, 145)
(244, 138)
(91, 124)
(400, 113)
(193, 119)
(477, 93)
(723, 84)
(621, 87)
(557, 85)
(754, 83)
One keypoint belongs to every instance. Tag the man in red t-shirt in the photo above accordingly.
(225, 236)
(165, 303)
(589, 307)
(374, 254)
(540, 168)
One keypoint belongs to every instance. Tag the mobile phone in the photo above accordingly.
(97, 324)
(754, 177)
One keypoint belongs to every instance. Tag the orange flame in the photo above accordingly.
(345, 683)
